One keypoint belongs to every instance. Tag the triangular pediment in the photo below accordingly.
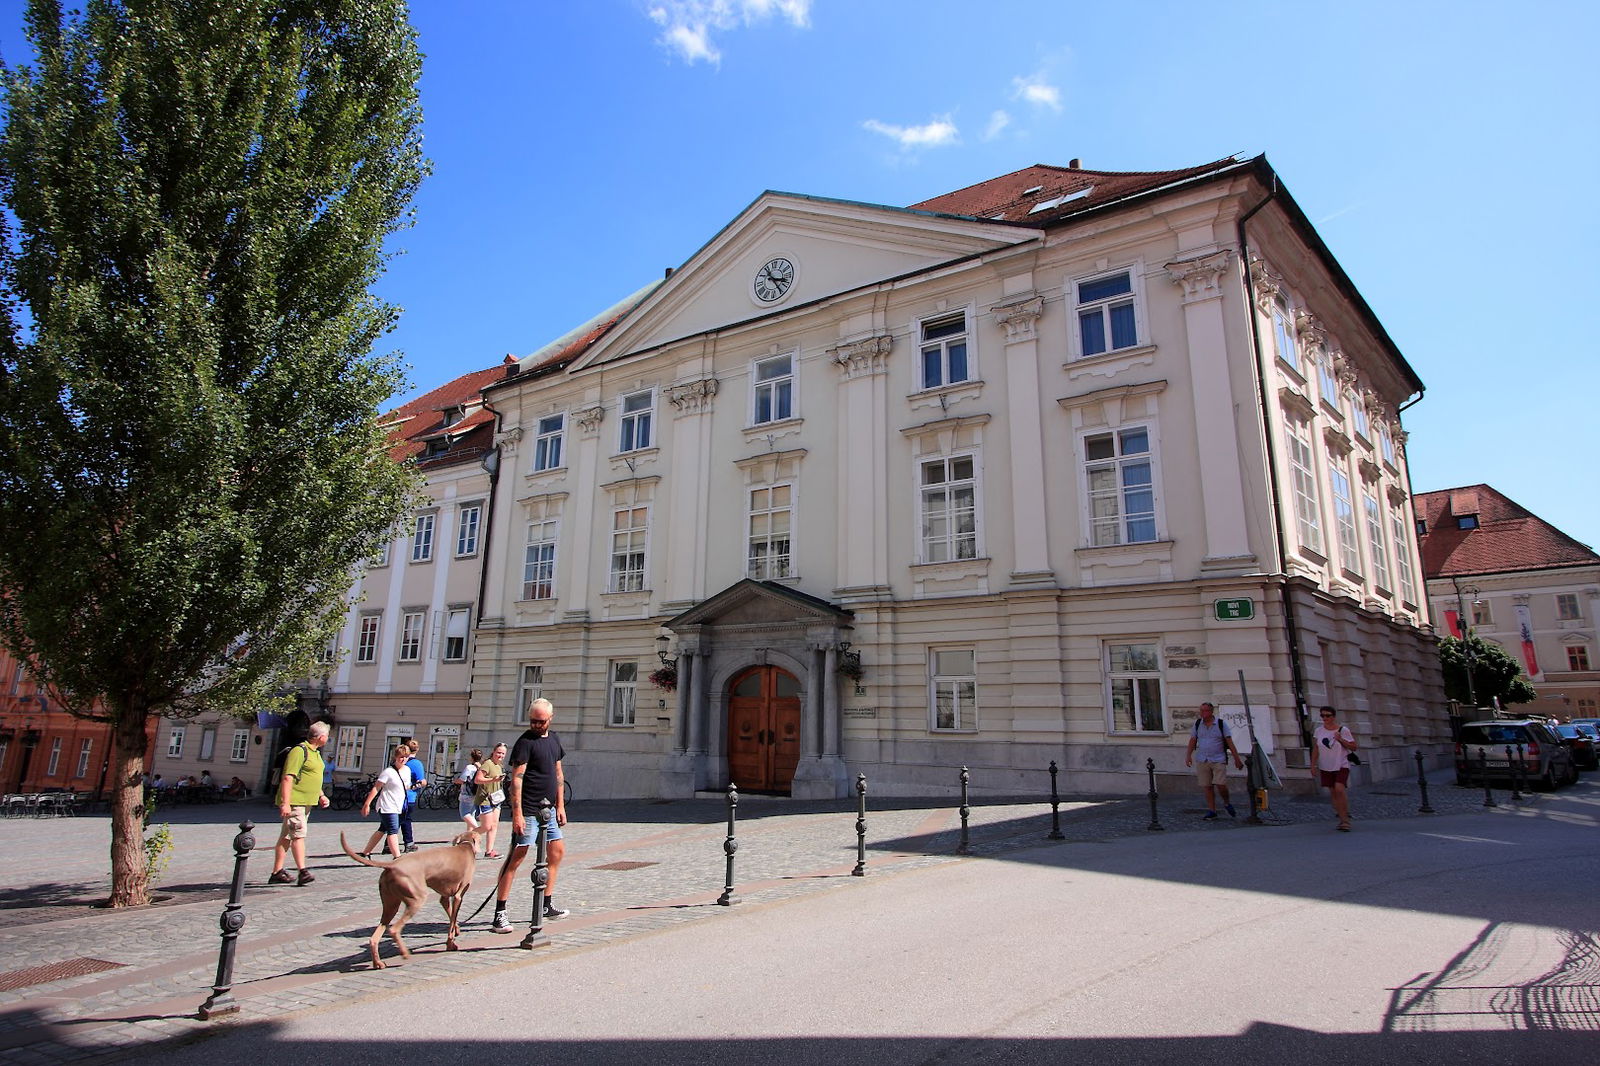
(752, 602)
(832, 247)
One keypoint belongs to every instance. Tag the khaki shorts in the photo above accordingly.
(294, 824)
(1211, 773)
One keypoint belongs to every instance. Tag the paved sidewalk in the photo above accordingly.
(131, 979)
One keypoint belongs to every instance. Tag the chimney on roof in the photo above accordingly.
(508, 360)
(668, 274)
(1075, 164)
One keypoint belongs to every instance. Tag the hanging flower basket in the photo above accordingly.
(849, 666)
(666, 678)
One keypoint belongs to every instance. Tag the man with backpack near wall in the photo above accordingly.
(1210, 743)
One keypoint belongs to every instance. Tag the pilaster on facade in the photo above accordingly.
(1030, 520)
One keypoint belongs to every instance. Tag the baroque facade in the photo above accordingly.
(1017, 474)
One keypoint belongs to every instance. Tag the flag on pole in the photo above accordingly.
(1453, 620)
(1525, 628)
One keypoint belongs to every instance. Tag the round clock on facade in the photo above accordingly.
(774, 280)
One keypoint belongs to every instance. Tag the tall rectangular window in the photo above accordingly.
(411, 636)
(1481, 613)
(1386, 444)
(350, 747)
(175, 742)
(329, 650)
(1344, 515)
(773, 398)
(1375, 537)
(1328, 382)
(1307, 506)
(422, 538)
(1283, 336)
(367, 640)
(547, 442)
(1358, 414)
(83, 758)
(1107, 319)
(944, 351)
(1577, 657)
(953, 689)
(469, 518)
(1568, 608)
(455, 634)
(55, 757)
(636, 411)
(539, 562)
(949, 509)
(770, 519)
(208, 743)
(1133, 681)
(1402, 557)
(1121, 484)
(530, 688)
(382, 558)
(628, 526)
(240, 749)
(624, 693)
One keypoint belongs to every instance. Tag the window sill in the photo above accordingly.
(1330, 410)
(758, 428)
(1107, 364)
(1106, 551)
(537, 600)
(637, 453)
(952, 568)
(420, 562)
(946, 396)
(937, 732)
(771, 431)
(786, 579)
(1293, 372)
(551, 472)
(1148, 733)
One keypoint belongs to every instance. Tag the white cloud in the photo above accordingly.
(997, 122)
(687, 25)
(1037, 91)
(940, 131)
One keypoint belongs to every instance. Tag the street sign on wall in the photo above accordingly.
(1233, 610)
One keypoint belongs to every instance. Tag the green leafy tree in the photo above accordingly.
(1495, 674)
(191, 467)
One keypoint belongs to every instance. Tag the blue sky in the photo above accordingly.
(1447, 152)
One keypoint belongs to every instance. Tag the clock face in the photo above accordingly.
(773, 280)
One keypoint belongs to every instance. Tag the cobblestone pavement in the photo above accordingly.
(631, 867)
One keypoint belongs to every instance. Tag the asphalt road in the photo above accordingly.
(1459, 939)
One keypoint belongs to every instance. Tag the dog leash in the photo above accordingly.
(504, 866)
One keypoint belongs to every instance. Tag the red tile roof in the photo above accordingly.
(1013, 197)
(1508, 536)
(412, 424)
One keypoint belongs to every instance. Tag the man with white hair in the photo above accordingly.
(299, 790)
(535, 775)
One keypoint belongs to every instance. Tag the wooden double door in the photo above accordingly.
(763, 729)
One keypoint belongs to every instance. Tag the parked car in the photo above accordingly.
(1581, 741)
(1591, 724)
(1546, 762)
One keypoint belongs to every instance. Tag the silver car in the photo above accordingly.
(1545, 762)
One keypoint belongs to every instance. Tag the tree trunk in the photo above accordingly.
(130, 884)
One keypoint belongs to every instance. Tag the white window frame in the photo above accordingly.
(636, 426)
(422, 537)
(382, 558)
(943, 346)
(1402, 556)
(629, 548)
(1578, 658)
(1133, 674)
(329, 652)
(1303, 484)
(780, 390)
(956, 544)
(413, 624)
(239, 750)
(349, 748)
(1359, 418)
(1568, 607)
(1344, 516)
(469, 520)
(1133, 298)
(55, 757)
(1372, 508)
(1328, 390)
(622, 693)
(1386, 445)
(763, 559)
(1120, 462)
(539, 561)
(530, 688)
(457, 630)
(1482, 614)
(208, 743)
(369, 630)
(84, 749)
(549, 442)
(175, 742)
(1285, 344)
(956, 690)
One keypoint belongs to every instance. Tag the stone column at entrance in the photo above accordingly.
(830, 702)
(680, 728)
(811, 712)
(698, 711)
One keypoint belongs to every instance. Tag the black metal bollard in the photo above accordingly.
(1055, 806)
(1516, 775)
(965, 846)
(1422, 783)
(861, 827)
(537, 937)
(1155, 825)
(221, 1000)
(1519, 778)
(730, 846)
(1483, 776)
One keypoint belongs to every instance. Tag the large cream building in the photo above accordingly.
(1020, 473)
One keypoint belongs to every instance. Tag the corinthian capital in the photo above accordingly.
(1200, 276)
(863, 358)
(692, 397)
(1020, 317)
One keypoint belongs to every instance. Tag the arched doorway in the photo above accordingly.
(763, 729)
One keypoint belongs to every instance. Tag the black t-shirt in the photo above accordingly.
(540, 755)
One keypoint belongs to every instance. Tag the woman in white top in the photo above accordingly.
(467, 803)
(390, 792)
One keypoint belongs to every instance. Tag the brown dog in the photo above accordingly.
(407, 880)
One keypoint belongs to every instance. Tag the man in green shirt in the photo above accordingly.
(299, 790)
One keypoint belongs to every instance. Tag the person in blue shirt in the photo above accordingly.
(419, 779)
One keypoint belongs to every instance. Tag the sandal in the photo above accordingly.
(491, 854)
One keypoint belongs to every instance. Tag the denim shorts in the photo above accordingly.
(388, 823)
(525, 840)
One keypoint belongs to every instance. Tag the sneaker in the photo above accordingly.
(500, 923)
(1211, 816)
(1344, 827)
(1231, 812)
(410, 847)
(279, 877)
(552, 913)
(306, 877)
